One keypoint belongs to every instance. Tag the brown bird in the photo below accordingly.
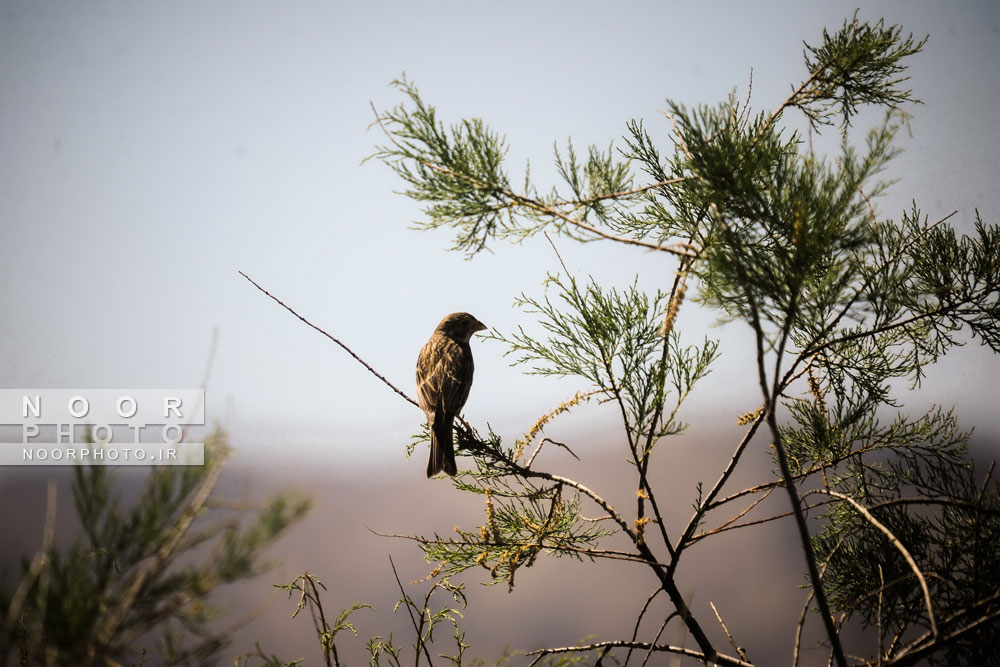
(444, 378)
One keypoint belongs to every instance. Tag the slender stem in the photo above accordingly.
(323, 626)
(771, 399)
(725, 661)
(347, 349)
(408, 603)
(706, 504)
(638, 620)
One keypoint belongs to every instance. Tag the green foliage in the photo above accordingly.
(615, 341)
(308, 587)
(449, 168)
(142, 571)
(860, 64)
(841, 303)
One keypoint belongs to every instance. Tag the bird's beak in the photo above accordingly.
(480, 326)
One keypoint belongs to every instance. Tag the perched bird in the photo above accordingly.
(444, 378)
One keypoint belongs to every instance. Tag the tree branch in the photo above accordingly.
(338, 342)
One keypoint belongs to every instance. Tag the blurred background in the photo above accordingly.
(150, 151)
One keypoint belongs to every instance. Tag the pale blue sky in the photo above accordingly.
(149, 151)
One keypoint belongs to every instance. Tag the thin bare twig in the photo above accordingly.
(408, 603)
(638, 620)
(554, 442)
(739, 649)
(755, 522)
(656, 638)
(986, 481)
(799, 627)
(746, 511)
(706, 504)
(726, 661)
(878, 614)
(335, 340)
(805, 608)
(558, 256)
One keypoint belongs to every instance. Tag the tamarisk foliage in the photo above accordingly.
(135, 587)
(841, 304)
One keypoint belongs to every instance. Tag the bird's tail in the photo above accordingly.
(442, 449)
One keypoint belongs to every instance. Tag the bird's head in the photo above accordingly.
(460, 326)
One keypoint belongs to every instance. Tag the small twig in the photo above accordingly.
(321, 624)
(986, 481)
(755, 522)
(739, 649)
(642, 614)
(725, 660)
(706, 504)
(799, 626)
(878, 613)
(347, 349)
(746, 511)
(408, 603)
(554, 442)
(745, 113)
(805, 607)
(656, 638)
(677, 131)
(556, 250)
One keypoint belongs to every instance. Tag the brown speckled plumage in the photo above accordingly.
(444, 378)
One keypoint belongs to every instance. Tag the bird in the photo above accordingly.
(444, 378)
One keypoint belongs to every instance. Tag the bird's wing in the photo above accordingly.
(444, 375)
